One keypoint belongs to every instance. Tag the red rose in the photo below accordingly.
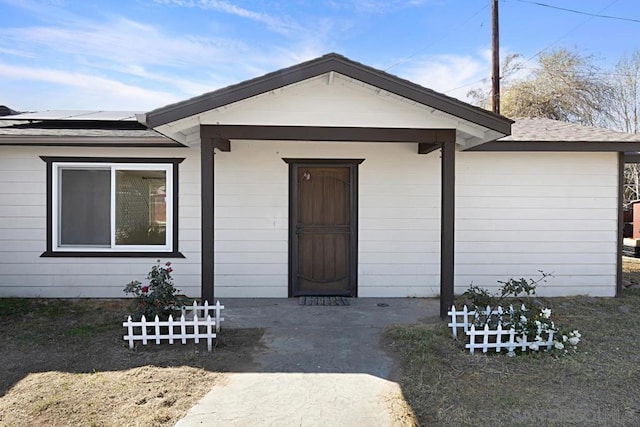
(168, 263)
(169, 270)
(144, 289)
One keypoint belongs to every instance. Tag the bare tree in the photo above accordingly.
(625, 106)
(631, 184)
(626, 94)
(566, 87)
(510, 66)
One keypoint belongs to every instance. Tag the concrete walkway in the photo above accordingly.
(320, 366)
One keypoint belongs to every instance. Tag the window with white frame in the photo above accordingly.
(112, 207)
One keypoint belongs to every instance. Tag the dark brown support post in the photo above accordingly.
(206, 195)
(621, 163)
(447, 227)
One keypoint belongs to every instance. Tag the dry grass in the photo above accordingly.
(65, 363)
(599, 385)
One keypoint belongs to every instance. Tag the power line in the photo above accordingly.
(596, 15)
(570, 31)
(603, 73)
(408, 57)
(582, 72)
(483, 80)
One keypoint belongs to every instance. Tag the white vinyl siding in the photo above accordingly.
(398, 229)
(23, 230)
(517, 213)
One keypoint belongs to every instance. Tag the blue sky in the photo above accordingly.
(142, 54)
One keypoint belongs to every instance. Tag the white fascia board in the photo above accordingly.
(173, 133)
(488, 136)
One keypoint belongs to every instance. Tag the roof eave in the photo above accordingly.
(88, 141)
(557, 146)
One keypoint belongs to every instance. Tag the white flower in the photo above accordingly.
(564, 338)
(538, 338)
(534, 347)
(523, 319)
(559, 345)
(576, 334)
(574, 341)
(546, 313)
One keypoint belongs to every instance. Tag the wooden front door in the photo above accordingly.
(323, 228)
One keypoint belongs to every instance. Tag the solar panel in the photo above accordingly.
(75, 115)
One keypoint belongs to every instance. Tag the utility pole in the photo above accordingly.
(495, 73)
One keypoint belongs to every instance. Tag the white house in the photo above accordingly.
(325, 178)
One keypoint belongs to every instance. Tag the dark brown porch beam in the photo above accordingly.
(206, 213)
(328, 133)
(219, 142)
(447, 228)
(427, 147)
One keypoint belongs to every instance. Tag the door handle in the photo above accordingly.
(298, 230)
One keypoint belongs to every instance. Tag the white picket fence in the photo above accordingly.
(202, 311)
(504, 338)
(188, 327)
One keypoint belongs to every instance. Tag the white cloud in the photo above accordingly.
(374, 6)
(454, 75)
(283, 25)
(131, 65)
(77, 89)
(122, 41)
(15, 52)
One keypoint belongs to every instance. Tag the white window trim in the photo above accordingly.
(113, 167)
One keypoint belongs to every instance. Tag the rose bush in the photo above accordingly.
(158, 298)
(526, 318)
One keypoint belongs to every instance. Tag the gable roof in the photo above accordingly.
(316, 67)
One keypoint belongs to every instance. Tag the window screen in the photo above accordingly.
(85, 207)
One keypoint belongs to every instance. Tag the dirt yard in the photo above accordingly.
(598, 385)
(630, 272)
(65, 363)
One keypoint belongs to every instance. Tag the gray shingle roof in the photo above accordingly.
(548, 130)
(124, 133)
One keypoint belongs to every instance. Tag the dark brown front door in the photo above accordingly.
(323, 228)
